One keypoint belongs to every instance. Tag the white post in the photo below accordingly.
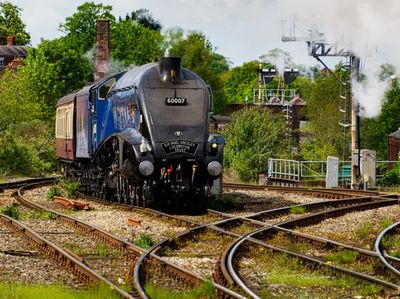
(332, 172)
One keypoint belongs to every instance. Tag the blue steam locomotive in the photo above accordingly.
(141, 137)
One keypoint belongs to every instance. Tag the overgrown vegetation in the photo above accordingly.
(255, 135)
(343, 257)
(390, 178)
(53, 191)
(64, 187)
(206, 290)
(297, 210)
(144, 241)
(11, 211)
(17, 291)
(42, 215)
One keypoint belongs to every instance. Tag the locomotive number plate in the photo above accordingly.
(176, 101)
(179, 146)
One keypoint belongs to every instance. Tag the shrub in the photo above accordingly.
(144, 241)
(53, 191)
(390, 178)
(255, 135)
(71, 188)
(11, 211)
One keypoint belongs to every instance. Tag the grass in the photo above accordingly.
(21, 291)
(297, 210)
(343, 257)
(296, 278)
(11, 211)
(144, 241)
(206, 290)
(386, 223)
(41, 215)
(364, 230)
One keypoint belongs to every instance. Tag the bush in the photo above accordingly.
(391, 178)
(144, 241)
(27, 150)
(255, 135)
(71, 188)
(11, 211)
(53, 191)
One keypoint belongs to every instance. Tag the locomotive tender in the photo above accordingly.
(141, 137)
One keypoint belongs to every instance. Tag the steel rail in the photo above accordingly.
(20, 183)
(60, 256)
(137, 251)
(322, 191)
(227, 259)
(225, 292)
(383, 256)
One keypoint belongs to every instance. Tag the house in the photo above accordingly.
(11, 55)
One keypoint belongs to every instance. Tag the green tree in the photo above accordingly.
(133, 43)
(324, 117)
(220, 64)
(54, 69)
(81, 26)
(16, 105)
(241, 81)
(27, 142)
(254, 135)
(12, 24)
(197, 55)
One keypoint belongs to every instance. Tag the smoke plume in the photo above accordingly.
(367, 28)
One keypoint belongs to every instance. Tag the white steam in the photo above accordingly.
(368, 28)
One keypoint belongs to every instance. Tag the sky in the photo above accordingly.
(243, 30)
(240, 30)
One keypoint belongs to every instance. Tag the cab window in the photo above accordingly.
(105, 88)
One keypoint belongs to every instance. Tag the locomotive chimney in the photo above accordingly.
(102, 62)
(170, 69)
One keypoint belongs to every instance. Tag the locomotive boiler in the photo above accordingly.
(141, 137)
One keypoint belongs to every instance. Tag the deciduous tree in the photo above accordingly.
(12, 24)
(254, 135)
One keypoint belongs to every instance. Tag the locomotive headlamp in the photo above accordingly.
(214, 145)
(146, 168)
(214, 168)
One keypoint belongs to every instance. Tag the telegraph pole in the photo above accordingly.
(355, 128)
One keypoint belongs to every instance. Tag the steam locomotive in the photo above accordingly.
(141, 137)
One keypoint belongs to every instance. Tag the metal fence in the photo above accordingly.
(306, 170)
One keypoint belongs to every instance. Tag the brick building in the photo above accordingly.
(11, 55)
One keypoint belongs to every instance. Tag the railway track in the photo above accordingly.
(74, 261)
(389, 256)
(257, 229)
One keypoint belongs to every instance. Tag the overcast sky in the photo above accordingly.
(240, 30)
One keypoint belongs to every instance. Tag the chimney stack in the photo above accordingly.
(102, 61)
(10, 40)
